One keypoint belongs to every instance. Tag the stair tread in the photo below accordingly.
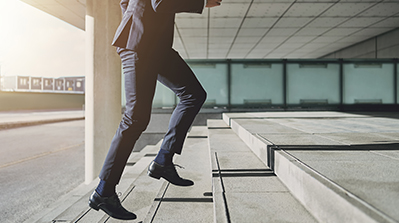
(354, 156)
(188, 204)
(245, 189)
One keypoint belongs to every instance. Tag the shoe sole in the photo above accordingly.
(92, 205)
(156, 176)
(95, 207)
(153, 175)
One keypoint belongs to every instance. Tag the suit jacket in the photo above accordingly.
(148, 25)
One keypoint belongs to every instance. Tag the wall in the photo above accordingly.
(382, 46)
(12, 101)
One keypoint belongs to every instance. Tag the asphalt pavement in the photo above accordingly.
(38, 164)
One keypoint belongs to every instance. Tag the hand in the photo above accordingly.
(212, 3)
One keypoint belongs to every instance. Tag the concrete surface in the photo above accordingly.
(342, 167)
(38, 164)
(26, 118)
(323, 167)
(245, 190)
(194, 203)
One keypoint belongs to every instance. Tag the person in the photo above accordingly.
(144, 41)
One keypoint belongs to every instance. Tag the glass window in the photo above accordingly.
(368, 83)
(213, 77)
(316, 83)
(256, 84)
(164, 97)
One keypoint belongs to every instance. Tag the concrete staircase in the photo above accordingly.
(264, 167)
(244, 188)
(340, 167)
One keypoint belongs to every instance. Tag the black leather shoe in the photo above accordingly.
(168, 172)
(110, 205)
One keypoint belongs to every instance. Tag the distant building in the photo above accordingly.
(43, 84)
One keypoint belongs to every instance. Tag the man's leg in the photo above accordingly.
(177, 76)
(182, 81)
(140, 82)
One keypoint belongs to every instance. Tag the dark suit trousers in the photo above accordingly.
(141, 74)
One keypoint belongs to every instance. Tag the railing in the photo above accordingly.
(292, 83)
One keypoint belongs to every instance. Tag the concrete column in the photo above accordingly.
(103, 83)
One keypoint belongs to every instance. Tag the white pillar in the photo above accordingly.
(103, 83)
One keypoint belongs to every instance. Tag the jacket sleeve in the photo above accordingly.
(176, 6)
(124, 4)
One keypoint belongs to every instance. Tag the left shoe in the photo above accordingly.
(110, 205)
(169, 173)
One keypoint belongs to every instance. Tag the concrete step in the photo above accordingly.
(244, 188)
(151, 200)
(73, 207)
(192, 204)
(341, 167)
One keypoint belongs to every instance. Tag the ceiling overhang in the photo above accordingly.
(264, 28)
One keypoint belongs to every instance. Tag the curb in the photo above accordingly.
(11, 125)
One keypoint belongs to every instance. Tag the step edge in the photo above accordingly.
(83, 189)
(246, 136)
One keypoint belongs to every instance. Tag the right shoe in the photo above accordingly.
(110, 205)
(169, 173)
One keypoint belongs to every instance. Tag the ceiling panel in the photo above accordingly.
(264, 28)
(361, 22)
(275, 55)
(272, 40)
(230, 32)
(225, 23)
(371, 31)
(263, 9)
(299, 39)
(293, 45)
(230, 10)
(188, 41)
(252, 40)
(251, 32)
(341, 31)
(386, 9)
(288, 22)
(309, 31)
(307, 9)
(392, 22)
(324, 22)
(70, 11)
(282, 31)
(186, 32)
(312, 46)
(259, 22)
(353, 39)
(177, 45)
(345, 9)
(326, 39)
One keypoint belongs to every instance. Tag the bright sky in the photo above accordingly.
(34, 43)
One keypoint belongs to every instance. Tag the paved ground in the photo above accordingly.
(25, 118)
(357, 154)
(354, 155)
(27, 154)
